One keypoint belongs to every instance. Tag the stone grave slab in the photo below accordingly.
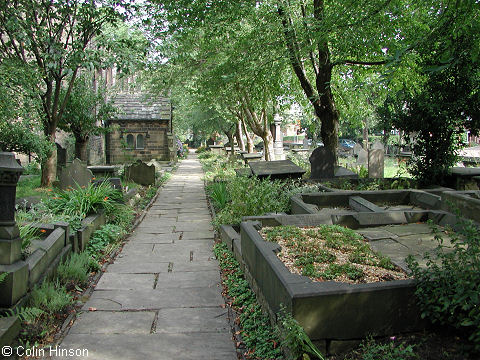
(322, 162)
(141, 173)
(248, 157)
(279, 169)
(74, 175)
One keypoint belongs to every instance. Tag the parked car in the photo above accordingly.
(319, 143)
(346, 144)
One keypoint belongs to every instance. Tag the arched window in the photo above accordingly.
(140, 143)
(129, 141)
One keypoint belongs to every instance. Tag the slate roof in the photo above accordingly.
(141, 107)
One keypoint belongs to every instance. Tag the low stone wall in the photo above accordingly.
(333, 314)
(89, 225)
(312, 202)
(467, 202)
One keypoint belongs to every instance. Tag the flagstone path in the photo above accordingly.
(161, 298)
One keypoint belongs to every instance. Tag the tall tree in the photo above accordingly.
(53, 37)
(86, 111)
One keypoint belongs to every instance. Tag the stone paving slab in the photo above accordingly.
(106, 322)
(208, 278)
(192, 320)
(154, 298)
(116, 281)
(161, 298)
(194, 346)
(153, 238)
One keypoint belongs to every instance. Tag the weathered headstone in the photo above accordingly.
(305, 143)
(61, 157)
(140, 173)
(376, 159)
(75, 174)
(356, 148)
(362, 157)
(322, 163)
(378, 145)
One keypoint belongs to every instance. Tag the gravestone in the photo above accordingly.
(376, 159)
(362, 157)
(75, 174)
(141, 173)
(377, 145)
(356, 148)
(305, 143)
(322, 163)
(61, 157)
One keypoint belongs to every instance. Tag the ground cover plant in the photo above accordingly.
(331, 252)
(448, 288)
(371, 184)
(30, 186)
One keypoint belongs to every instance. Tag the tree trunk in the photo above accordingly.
(365, 136)
(239, 136)
(231, 141)
(268, 145)
(249, 138)
(81, 149)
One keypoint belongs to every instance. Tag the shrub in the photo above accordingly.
(219, 194)
(371, 350)
(84, 201)
(448, 288)
(256, 331)
(76, 269)
(252, 196)
(50, 297)
(107, 235)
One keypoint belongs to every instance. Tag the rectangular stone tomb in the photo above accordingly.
(248, 157)
(373, 201)
(332, 311)
(217, 149)
(467, 202)
(280, 169)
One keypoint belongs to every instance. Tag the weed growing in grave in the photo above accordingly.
(28, 233)
(84, 201)
(448, 289)
(219, 194)
(295, 341)
(372, 350)
(50, 297)
(75, 271)
(104, 240)
(257, 333)
(330, 252)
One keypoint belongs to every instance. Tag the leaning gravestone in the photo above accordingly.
(362, 157)
(356, 148)
(322, 163)
(141, 173)
(75, 174)
(305, 143)
(61, 157)
(376, 159)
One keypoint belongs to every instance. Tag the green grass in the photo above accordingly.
(391, 167)
(31, 187)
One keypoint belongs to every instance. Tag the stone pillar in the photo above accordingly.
(278, 140)
(172, 147)
(15, 284)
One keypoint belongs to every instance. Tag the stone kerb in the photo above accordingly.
(328, 310)
(467, 202)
